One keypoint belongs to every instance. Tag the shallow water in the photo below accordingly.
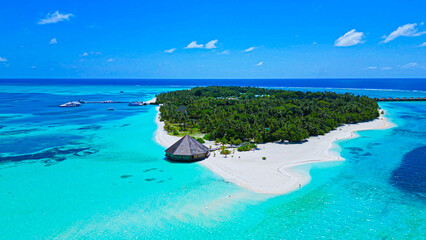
(85, 173)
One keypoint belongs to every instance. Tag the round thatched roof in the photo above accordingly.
(187, 146)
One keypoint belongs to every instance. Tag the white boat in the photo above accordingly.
(137, 103)
(71, 104)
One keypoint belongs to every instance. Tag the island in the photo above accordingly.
(257, 135)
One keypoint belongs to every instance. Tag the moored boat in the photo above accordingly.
(136, 103)
(70, 104)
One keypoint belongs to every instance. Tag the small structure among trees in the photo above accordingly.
(187, 149)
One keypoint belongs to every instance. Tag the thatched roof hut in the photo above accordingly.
(187, 149)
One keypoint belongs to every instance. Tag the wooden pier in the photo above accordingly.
(82, 102)
(404, 99)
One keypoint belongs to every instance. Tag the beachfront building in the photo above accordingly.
(187, 149)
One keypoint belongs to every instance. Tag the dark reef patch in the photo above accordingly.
(16, 132)
(410, 176)
(86, 152)
(4, 118)
(16, 145)
(149, 179)
(406, 132)
(125, 125)
(150, 169)
(357, 152)
(90, 127)
(126, 176)
(61, 111)
(355, 149)
(51, 155)
(415, 117)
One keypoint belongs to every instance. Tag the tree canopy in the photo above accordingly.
(235, 114)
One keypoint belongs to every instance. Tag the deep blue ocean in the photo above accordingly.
(90, 173)
(383, 83)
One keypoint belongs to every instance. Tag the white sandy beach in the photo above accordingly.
(275, 175)
(152, 100)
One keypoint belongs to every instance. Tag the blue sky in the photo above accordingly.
(212, 39)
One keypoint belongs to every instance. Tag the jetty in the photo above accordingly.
(81, 102)
(404, 99)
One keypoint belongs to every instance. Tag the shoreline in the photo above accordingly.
(152, 100)
(275, 175)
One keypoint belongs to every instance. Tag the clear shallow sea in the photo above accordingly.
(89, 173)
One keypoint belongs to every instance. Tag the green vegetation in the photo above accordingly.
(200, 140)
(246, 147)
(237, 114)
(225, 152)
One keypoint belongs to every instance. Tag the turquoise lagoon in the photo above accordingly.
(89, 173)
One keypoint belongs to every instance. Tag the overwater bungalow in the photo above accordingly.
(187, 149)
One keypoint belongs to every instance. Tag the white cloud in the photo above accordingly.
(371, 68)
(412, 65)
(170, 50)
(85, 54)
(55, 17)
(259, 64)
(211, 44)
(53, 41)
(386, 68)
(225, 52)
(110, 60)
(2, 59)
(194, 45)
(350, 38)
(423, 44)
(249, 49)
(407, 30)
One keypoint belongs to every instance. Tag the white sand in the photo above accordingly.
(275, 175)
(152, 100)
